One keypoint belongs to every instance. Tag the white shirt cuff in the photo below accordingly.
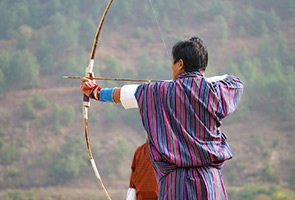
(127, 97)
(131, 194)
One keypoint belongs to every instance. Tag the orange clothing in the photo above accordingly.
(143, 177)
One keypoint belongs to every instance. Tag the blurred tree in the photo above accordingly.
(284, 54)
(21, 195)
(10, 16)
(67, 115)
(22, 42)
(131, 119)
(73, 65)
(124, 44)
(212, 10)
(122, 150)
(43, 47)
(14, 173)
(145, 68)
(153, 69)
(48, 65)
(52, 7)
(55, 112)
(39, 101)
(285, 8)
(20, 68)
(265, 49)
(22, 11)
(27, 31)
(138, 32)
(10, 152)
(1, 141)
(242, 55)
(257, 22)
(2, 81)
(63, 35)
(269, 174)
(222, 28)
(263, 197)
(87, 31)
(114, 67)
(110, 114)
(45, 56)
(24, 69)
(38, 17)
(272, 20)
(68, 4)
(28, 110)
(125, 9)
(71, 160)
(289, 104)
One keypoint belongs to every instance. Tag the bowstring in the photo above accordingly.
(159, 28)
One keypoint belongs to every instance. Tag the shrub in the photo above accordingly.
(22, 42)
(258, 139)
(71, 160)
(114, 67)
(269, 173)
(10, 152)
(257, 21)
(21, 195)
(276, 142)
(122, 150)
(67, 115)
(138, 32)
(28, 110)
(3, 133)
(124, 44)
(222, 28)
(13, 173)
(19, 67)
(214, 9)
(57, 126)
(39, 101)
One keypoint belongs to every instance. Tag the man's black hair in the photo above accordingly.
(193, 53)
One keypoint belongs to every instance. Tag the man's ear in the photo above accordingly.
(181, 64)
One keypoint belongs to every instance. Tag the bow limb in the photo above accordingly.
(86, 100)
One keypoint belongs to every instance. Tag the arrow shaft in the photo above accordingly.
(114, 79)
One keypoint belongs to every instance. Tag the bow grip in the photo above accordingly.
(88, 74)
(85, 98)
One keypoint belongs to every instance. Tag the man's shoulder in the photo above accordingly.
(141, 148)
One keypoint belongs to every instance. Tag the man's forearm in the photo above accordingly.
(117, 95)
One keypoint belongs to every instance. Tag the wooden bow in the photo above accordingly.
(86, 101)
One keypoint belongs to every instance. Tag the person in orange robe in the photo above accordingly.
(143, 183)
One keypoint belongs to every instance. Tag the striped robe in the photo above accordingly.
(182, 119)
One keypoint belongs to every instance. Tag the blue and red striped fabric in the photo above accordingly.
(182, 119)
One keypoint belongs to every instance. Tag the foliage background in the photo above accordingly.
(43, 155)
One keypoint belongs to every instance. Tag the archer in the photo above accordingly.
(182, 119)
